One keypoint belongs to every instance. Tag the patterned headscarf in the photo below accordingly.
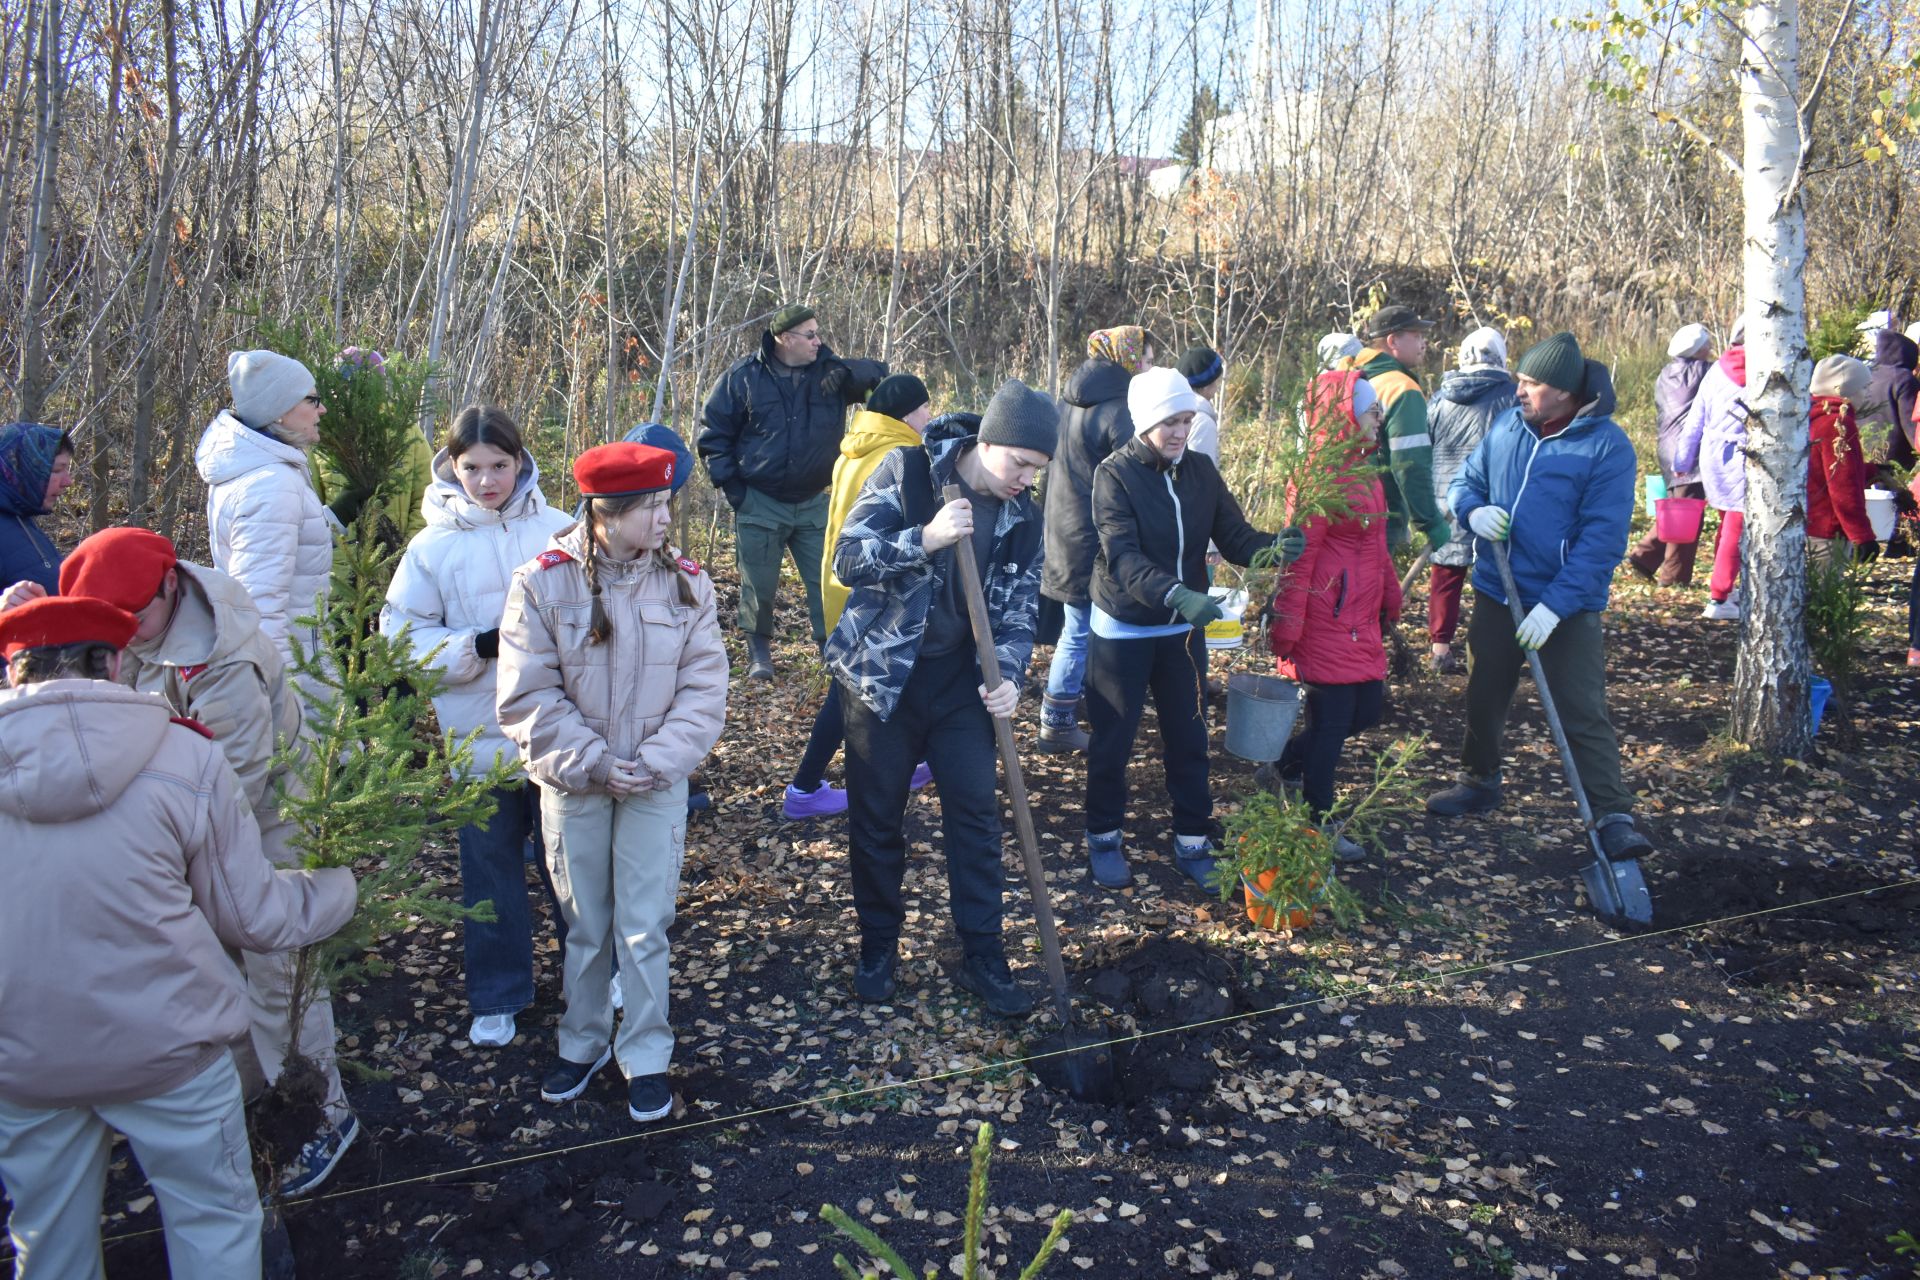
(1125, 345)
(27, 451)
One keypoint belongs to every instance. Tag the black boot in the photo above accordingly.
(759, 658)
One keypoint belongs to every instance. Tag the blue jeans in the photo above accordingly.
(493, 868)
(1067, 675)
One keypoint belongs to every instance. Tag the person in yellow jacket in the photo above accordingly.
(897, 413)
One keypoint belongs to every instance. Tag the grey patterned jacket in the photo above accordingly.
(894, 580)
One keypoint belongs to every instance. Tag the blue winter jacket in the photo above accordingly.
(27, 554)
(1571, 498)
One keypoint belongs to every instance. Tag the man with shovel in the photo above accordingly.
(913, 690)
(1554, 481)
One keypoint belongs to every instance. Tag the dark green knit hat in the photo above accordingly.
(1557, 362)
(788, 317)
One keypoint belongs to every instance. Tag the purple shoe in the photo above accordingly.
(921, 776)
(822, 802)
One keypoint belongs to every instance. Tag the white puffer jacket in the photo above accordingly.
(452, 585)
(266, 526)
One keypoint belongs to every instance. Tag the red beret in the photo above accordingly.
(122, 566)
(622, 470)
(58, 620)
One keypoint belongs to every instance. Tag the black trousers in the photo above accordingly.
(1120, 676)
(1335, 712)
(939, 719)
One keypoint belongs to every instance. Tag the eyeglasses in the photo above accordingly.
(313, 400)
(814, 336)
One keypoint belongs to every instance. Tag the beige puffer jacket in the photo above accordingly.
(131, 863)
(655, 691)
(266, 526)
(214, 664)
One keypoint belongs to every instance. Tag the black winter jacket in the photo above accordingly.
(1095, 424)
(779, 434)
(1155, 521)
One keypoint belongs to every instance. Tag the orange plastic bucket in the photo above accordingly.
(1264, 911)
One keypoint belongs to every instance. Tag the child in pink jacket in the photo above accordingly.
(1326, 618)
(613, 685)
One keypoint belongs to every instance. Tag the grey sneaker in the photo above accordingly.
(1348, 851)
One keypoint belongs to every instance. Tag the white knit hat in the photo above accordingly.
(1336, 348)
(266, 384)
(1484, 348)
(1158, 394)
(1689, 340)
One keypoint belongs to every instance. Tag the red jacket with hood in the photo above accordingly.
(1837, 473)
(1327, 612)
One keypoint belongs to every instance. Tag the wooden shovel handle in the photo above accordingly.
(1010, 764)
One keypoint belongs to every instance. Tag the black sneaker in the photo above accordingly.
(873, 981)
(568, 1080)
(1465, 797)
(989, 978)
(649, 1097)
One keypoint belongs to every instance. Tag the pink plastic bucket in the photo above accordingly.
(1678, 519)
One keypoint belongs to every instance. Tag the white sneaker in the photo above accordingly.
(492, 1030)
(613, 993)
(1721, 611)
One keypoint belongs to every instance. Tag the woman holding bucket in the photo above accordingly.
(1155, 505)
(1326, 630)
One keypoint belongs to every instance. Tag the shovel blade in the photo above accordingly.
(1077, 1065)
(1617, 890)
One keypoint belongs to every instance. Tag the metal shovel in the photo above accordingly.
(1082, 1065)
(1615, 890)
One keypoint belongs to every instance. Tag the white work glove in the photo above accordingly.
(1490, 522)
(1537, 625)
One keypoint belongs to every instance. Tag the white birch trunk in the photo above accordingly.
(1770, 707)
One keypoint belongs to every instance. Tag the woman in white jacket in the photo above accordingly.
(265, 523)
(485, 518)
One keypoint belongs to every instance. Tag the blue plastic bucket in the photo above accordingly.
(1656, 490)
(1817, 693)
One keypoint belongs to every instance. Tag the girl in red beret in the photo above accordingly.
(613, 685)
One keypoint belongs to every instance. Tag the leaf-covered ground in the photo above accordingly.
(1482, 1080)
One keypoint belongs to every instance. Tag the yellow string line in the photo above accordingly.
(1369, 989)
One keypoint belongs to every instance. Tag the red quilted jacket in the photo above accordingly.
(1837, 473)
(1327, 613)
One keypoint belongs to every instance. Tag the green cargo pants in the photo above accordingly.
(1574, 657)
(765, 530)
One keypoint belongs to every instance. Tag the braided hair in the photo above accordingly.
(599, 625)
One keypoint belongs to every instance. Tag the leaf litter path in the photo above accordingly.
(1734, 1100)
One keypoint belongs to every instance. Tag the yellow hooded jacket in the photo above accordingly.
(870, 437)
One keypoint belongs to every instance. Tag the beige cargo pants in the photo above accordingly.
(616, 873)
(192, 1145)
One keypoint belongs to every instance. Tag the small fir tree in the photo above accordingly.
(374, 783)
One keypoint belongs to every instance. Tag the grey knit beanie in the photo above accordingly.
(1018, 417)
(265, 384)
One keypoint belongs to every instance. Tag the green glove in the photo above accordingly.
(1197, 607)
(1291, 544)
(1439, 534)
(346, 508)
